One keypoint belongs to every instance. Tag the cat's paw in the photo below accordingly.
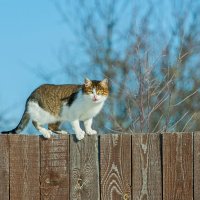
(46, 133)
(61, 132)
(80, 135)
(91, 132)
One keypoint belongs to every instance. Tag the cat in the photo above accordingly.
(54, 104)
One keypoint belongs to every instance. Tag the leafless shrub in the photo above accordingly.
(150, 56)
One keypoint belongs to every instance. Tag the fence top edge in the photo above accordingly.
(60, 136)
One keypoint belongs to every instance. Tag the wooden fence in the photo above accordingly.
(107, 167)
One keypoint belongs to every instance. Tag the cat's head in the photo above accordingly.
(96, 91)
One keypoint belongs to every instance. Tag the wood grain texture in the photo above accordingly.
(177, 166)
(55, 168)
(84, 173)
(146, 167)
(24, 167)
(115, 166)
(4, 167)
(197, 166)
(130, 167)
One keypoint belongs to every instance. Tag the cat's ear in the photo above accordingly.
(104, 83)
(88, 82)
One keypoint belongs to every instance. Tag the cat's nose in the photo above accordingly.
(95, 98)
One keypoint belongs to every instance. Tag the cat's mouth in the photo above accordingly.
(95, 99)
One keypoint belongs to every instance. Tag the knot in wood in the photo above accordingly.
(80, 182)
(47, 180)
(126, 197)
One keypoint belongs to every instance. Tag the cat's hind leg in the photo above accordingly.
(54, 127)
(46, 133)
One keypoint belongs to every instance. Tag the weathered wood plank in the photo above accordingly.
(24, 167)
(115, 166)
(84, 179)
(197, 166)
(177, 166)
(55, 168)
(125, 160)
(4, 167)
(146, 167)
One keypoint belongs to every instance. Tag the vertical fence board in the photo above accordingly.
(62, 169)
(197, 166)
(84, 172)
(177, 166)
(24, 167)
(146, 167)
(4, 167)
(55, 168)
(115, 165)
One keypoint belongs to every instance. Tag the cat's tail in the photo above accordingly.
(22, 124)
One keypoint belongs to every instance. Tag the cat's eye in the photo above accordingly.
(89, 91)
(99, 92)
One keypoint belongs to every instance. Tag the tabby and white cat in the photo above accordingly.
(54, 104)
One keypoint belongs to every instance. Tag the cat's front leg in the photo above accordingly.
(88, 127)
(77, 129)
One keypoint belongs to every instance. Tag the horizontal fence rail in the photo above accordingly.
(107, 167)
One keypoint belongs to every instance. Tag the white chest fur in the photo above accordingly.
(83, 108)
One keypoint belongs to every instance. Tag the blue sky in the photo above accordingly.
(31, 34)
(32, 37)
